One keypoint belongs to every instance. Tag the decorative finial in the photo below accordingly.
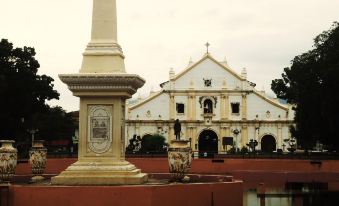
(191, 60)
(244, 73)
(207, 45)
(225, 60)
(171, 73)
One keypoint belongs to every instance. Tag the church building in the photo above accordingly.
(214, 105)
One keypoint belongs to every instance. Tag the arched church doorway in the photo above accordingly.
(208, 143)
(268, 144)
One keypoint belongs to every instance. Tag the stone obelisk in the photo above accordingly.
(103, 87)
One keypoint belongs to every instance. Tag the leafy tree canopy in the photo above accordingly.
(55, 124)
(153, 143)
(23, 95)
(311, 83)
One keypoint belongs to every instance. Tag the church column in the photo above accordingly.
(244, 106)
(244, 136)
(223, 129)
(172, 107)
(256, 131)
(189, 107)
(227, 107)
(279, 136)
(189, 132)
(194, 138)
(221, 135)
(228, 134)
(193, 107)
(222, 107)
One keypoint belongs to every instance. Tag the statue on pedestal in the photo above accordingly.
(177, 129)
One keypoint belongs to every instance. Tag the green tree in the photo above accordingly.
(23, 92)
(153, 143)
(55, 124)
(312, 85)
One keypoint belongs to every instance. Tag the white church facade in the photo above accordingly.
(211, 102)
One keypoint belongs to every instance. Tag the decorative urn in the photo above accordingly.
(179, 159)
(37, 159)
(8, 160)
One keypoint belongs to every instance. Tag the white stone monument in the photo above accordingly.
(103, 86)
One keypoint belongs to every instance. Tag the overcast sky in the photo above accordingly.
(261, 35)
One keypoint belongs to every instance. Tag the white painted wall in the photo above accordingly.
(157, 106)
(258, 106)
(208, 70)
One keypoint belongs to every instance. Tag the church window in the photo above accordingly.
(235, 106)
(180, 108)
(208, 82)
(268, 114)
(208, 106)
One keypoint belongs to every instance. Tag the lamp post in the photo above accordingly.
(32, 132)
(236, 132)
(252, 144)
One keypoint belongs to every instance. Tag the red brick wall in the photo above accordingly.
(170, 195)
(205, 166)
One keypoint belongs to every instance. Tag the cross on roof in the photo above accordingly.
(207, 45)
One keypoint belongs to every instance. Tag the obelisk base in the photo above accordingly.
(96, 173)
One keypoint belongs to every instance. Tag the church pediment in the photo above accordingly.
(206, 58)
(208, 73)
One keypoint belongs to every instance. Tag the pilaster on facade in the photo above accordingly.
(244, 107)
(256, 131)
(193, 99)
(280, 136)
(190, 134)
(195, 139)
(172, 107)
(190, 106)
(244, 135)
(224, 107)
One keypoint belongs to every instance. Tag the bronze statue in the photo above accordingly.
(177, 129)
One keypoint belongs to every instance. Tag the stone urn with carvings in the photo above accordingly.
(37, 159)
(179, 159)
(8, 160)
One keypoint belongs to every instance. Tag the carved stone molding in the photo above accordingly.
(103, 48)
(213, 98)
(89, 82)
(99, 128)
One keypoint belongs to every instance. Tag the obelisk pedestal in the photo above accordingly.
(103, 87)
